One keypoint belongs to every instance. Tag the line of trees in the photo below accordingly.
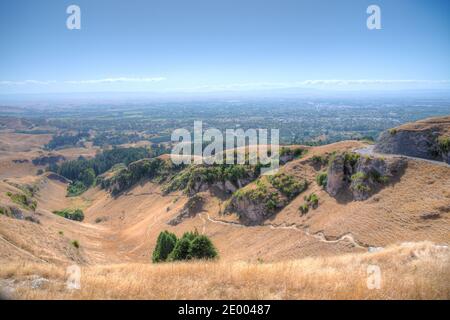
(83, 172)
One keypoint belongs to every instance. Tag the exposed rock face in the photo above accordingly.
(427, 139)
(337, 176)
(409, 143)
(193, 206)
(446, 157)
(252, 211)
(361, 176)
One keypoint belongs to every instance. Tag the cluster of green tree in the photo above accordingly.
(287, 184)
(191, 245)
(273, 192)
(33, 131)
(361, 181)
(76, 188)
(72, 214)
(83, 172)
(159, 149)
(262, 194)
(293, 152)
(136, 171)
(210, 174)
(65, 140)
(323, 160)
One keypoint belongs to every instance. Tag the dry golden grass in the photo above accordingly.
(408, 271)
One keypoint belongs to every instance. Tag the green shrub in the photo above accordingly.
(318, 159)
(202, 248)
(312, 200)
(444, 144)
(322, 179)
(181, 250)
(361, 187)
(23, 200)
(71, 214)
(351, 158)
(304, 208)
(383, 179)
(294, 152)
(75, 189)
(287, 184)
(392, 132)
(76, 244)
(5, 211)
(377, 177)
(164, 245)
(358, 176)
(298, 152)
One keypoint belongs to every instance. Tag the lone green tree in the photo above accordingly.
(164, 245)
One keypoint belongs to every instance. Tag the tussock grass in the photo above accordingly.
(408, 271)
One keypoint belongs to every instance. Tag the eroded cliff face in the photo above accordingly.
(360, 177)
(201, 185)
(254, 211)
(427, 139)
(267, 196)
(192, 207)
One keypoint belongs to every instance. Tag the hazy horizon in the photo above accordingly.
(167, 47)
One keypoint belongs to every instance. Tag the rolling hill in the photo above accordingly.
(374, 208)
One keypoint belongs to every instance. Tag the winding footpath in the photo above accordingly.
(369, 151)
(318, 236)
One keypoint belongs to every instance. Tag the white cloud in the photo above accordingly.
(371, 82)
(113, 80)
(24, 82)
(94, 81)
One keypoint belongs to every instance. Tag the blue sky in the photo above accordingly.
(205, 45)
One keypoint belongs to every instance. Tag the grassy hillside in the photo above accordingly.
(321, 252)
(409, 271)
